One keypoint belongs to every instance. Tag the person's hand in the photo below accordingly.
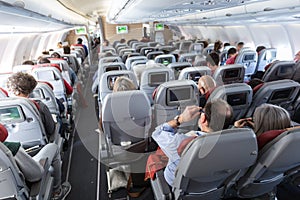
(244, 122)
(189, 113)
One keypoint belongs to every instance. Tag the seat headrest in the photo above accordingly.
(3, 133)
(4, 91)
(49, 84)
(267, 136)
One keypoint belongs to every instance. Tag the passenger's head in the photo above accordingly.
(3, 133)
(28, 62)
(105, 43)
(67, 50)
(122, 40)
(239, 46)
(213, 61)
(123, 84)
(270, 117)
(217, 116)
(259, 48)
(206, 84)
(21, 84)
(59, 45)
(218, 45)
(55, 55)
(231, 52)
(297, 56)
(79, 41)
(43, 60)
(226, 44)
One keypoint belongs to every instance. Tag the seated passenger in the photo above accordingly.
(30, 167)
(239, 46)
(22, 84)
(297, 57)
(213, 61)
(122, 83)
(266, 117)
(218, 45)
(232, 54)
(215, 116)
(206, 85)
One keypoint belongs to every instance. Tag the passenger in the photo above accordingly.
(266, 117)
(217, 47)
(31, 168)
(66, 49)
(59, 45)
(55, 55)
(122, 83)
(122, 41)
(232, 54)
(226, 44)
(206, 84)
(213, 61)
(22, 84)
(79, 42)
(28, 62)
(297, 57)
(210, 120)
(259, 49)
(239, 46)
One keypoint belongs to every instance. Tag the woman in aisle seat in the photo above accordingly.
(22, 84)
(267, 118)
(31, 168)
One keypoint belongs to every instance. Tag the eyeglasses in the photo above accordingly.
(201, 111)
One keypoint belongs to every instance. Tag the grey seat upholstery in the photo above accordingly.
(238, 95)
(211, 164)
(151, 78)
(21, 114)
(178, 66)
(109, 59)
(194, 73)
(126, 119)
(171, 99)
(229, 74)
(279, 70)
(283, 93)
(265, 57)
(273, 163)
(130, 60)
(187, 57)
(248, 58)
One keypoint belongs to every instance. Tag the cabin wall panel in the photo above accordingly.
(293, 32)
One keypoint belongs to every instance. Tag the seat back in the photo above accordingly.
(109, 59)
(17, 114)
(132, 59)
(296, 76)
(187, 57)
(151, 78)
(265, 57)
(165, 59)
(196, 48)
(211, 163)
(172, 98)
(45, 93)
(178, 66)
(12, 183)
(283, 93)
(107, 82)
(54, 77)
(184, 46)
(110, 66)
(238, 95)
(248, 58)
(22, 68)
(279, 70)
(273, 162)
(126, 117)
(145, 50)
(194, 73)
(151, 55)
(228, 74)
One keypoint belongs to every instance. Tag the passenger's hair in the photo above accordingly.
(207, 82)
(123, 84)
(270, 117)
(231, 51)
(122, 40)
(55, 55)
(28, 62)
(226, 44)
(43, 60)
(218, 45)
(259, 48)
(213, 59)
(21, 83)
(67, 49)
(240, 44)
(79, 41)
(218, 114)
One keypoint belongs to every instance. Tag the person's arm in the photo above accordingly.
(31, 170)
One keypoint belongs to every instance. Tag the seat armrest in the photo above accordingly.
(160, 187)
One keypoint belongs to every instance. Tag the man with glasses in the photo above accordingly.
(297, 57)
(215, 116)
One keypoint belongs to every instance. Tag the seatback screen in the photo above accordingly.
(11, 115)
(156, 79)
(175, 96)
(237, 99)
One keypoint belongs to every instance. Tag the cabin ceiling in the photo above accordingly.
(173, 12)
